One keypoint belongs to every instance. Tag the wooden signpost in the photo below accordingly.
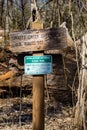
(38, 40)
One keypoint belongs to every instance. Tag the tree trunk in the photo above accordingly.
(80, 113)
(23, 15)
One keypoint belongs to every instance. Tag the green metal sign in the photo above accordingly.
(36, 65)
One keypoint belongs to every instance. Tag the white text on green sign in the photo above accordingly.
(36, 65)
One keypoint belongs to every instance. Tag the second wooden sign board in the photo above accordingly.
(33, 40)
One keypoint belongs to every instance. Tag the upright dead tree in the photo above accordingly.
(35, 15)
(23, 14)
(81, 108)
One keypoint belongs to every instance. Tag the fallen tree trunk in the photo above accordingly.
(15, 81)
(7, 75)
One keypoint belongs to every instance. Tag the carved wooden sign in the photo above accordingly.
(38, 40)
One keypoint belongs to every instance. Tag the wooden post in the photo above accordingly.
(21, 43)
(38, 101)
(38, 84)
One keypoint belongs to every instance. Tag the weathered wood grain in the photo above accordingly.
(33, 40)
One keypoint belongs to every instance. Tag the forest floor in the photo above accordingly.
(16, 114)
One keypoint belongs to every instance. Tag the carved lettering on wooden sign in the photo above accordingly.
(33, 40)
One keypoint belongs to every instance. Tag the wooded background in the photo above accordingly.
(16, 16)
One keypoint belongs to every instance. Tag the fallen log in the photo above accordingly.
(7, 75)
(26, 81)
